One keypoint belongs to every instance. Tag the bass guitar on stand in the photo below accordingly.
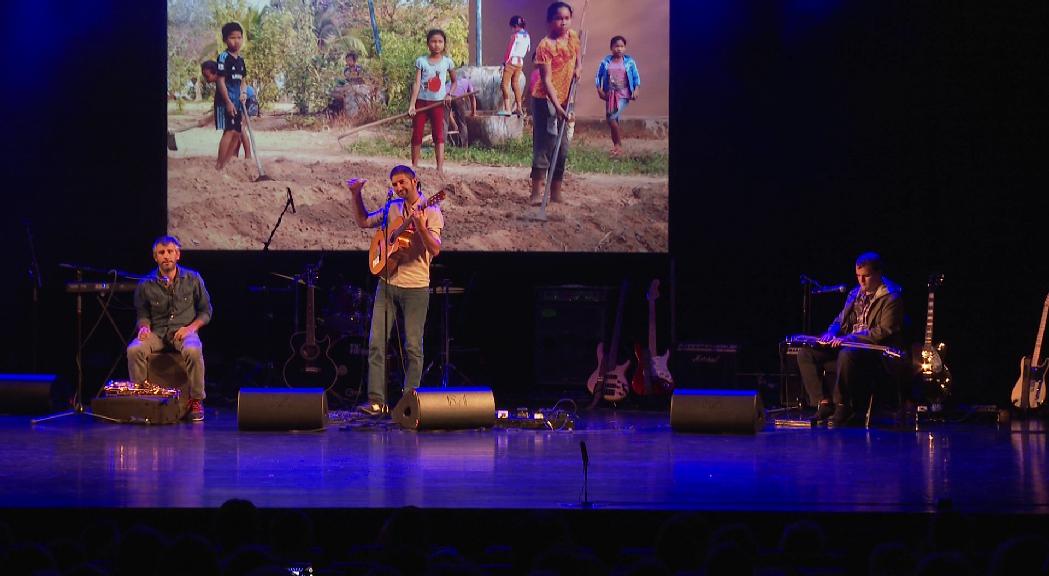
(310, 364)
(1029, 391)
(609, 381)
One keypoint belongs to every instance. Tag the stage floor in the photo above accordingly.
(636, 462)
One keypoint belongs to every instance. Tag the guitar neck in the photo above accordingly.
(652, 328)
(866, 346)
(311, 320)
(1036, 356)
(928, 319)
(426, 204)
(613, 349)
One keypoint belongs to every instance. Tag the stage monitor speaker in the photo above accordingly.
(26, 393)
(282, 409)
(739, 411)
(445, 409)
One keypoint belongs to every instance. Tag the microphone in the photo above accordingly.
(842, 288)
(389, 194)
(291, 200)
(582, 449)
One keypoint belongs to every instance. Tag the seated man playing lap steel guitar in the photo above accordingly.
(404, 275)
(873, 314)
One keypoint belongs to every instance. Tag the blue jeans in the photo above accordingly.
(413, 304)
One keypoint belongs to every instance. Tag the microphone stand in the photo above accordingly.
(807, 284)
(385, 227)
(38, 284)
(288, 205)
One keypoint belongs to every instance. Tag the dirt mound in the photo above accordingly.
(486, 208)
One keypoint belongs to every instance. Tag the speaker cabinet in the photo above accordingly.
(26, 393)
(738, 411)
(445, 409)
(282, 409)
(569, 323)
(704, 365)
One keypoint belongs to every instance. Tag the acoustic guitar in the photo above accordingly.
(397, 237)
(652, 375)
(1029, 391)
(310, 364)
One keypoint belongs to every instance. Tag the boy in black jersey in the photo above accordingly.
(230, 94)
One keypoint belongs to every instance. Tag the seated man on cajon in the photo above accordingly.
(171, 305)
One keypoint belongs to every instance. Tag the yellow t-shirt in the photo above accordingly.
(413, 263)
(561, 54)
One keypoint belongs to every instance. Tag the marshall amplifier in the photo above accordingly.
(704, 365)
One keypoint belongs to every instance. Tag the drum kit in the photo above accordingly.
(347, 312)
(344, 317)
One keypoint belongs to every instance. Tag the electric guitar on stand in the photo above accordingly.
(310, 364)
(609, 381)
(652, 375)
(928, 358)
(1029, 391)
(394, 237)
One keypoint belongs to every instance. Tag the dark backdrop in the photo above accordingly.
(803, 132)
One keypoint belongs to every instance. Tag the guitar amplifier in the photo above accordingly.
(569, 323)
(704, 365)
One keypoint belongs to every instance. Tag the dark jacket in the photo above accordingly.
(884, 319)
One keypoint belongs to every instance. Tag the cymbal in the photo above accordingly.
(286, 277)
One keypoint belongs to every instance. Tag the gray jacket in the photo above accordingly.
(884, 319)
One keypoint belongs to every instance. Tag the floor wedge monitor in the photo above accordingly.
(445, 409)
(739, 411)
(282, 409)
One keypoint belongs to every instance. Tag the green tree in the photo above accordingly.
(403, 25)
(311, 69)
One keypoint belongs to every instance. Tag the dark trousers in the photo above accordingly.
(856, 372)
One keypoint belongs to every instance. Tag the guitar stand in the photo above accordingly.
(445, 360)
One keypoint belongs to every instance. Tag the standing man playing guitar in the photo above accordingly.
(404, 280)
(873, 314)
